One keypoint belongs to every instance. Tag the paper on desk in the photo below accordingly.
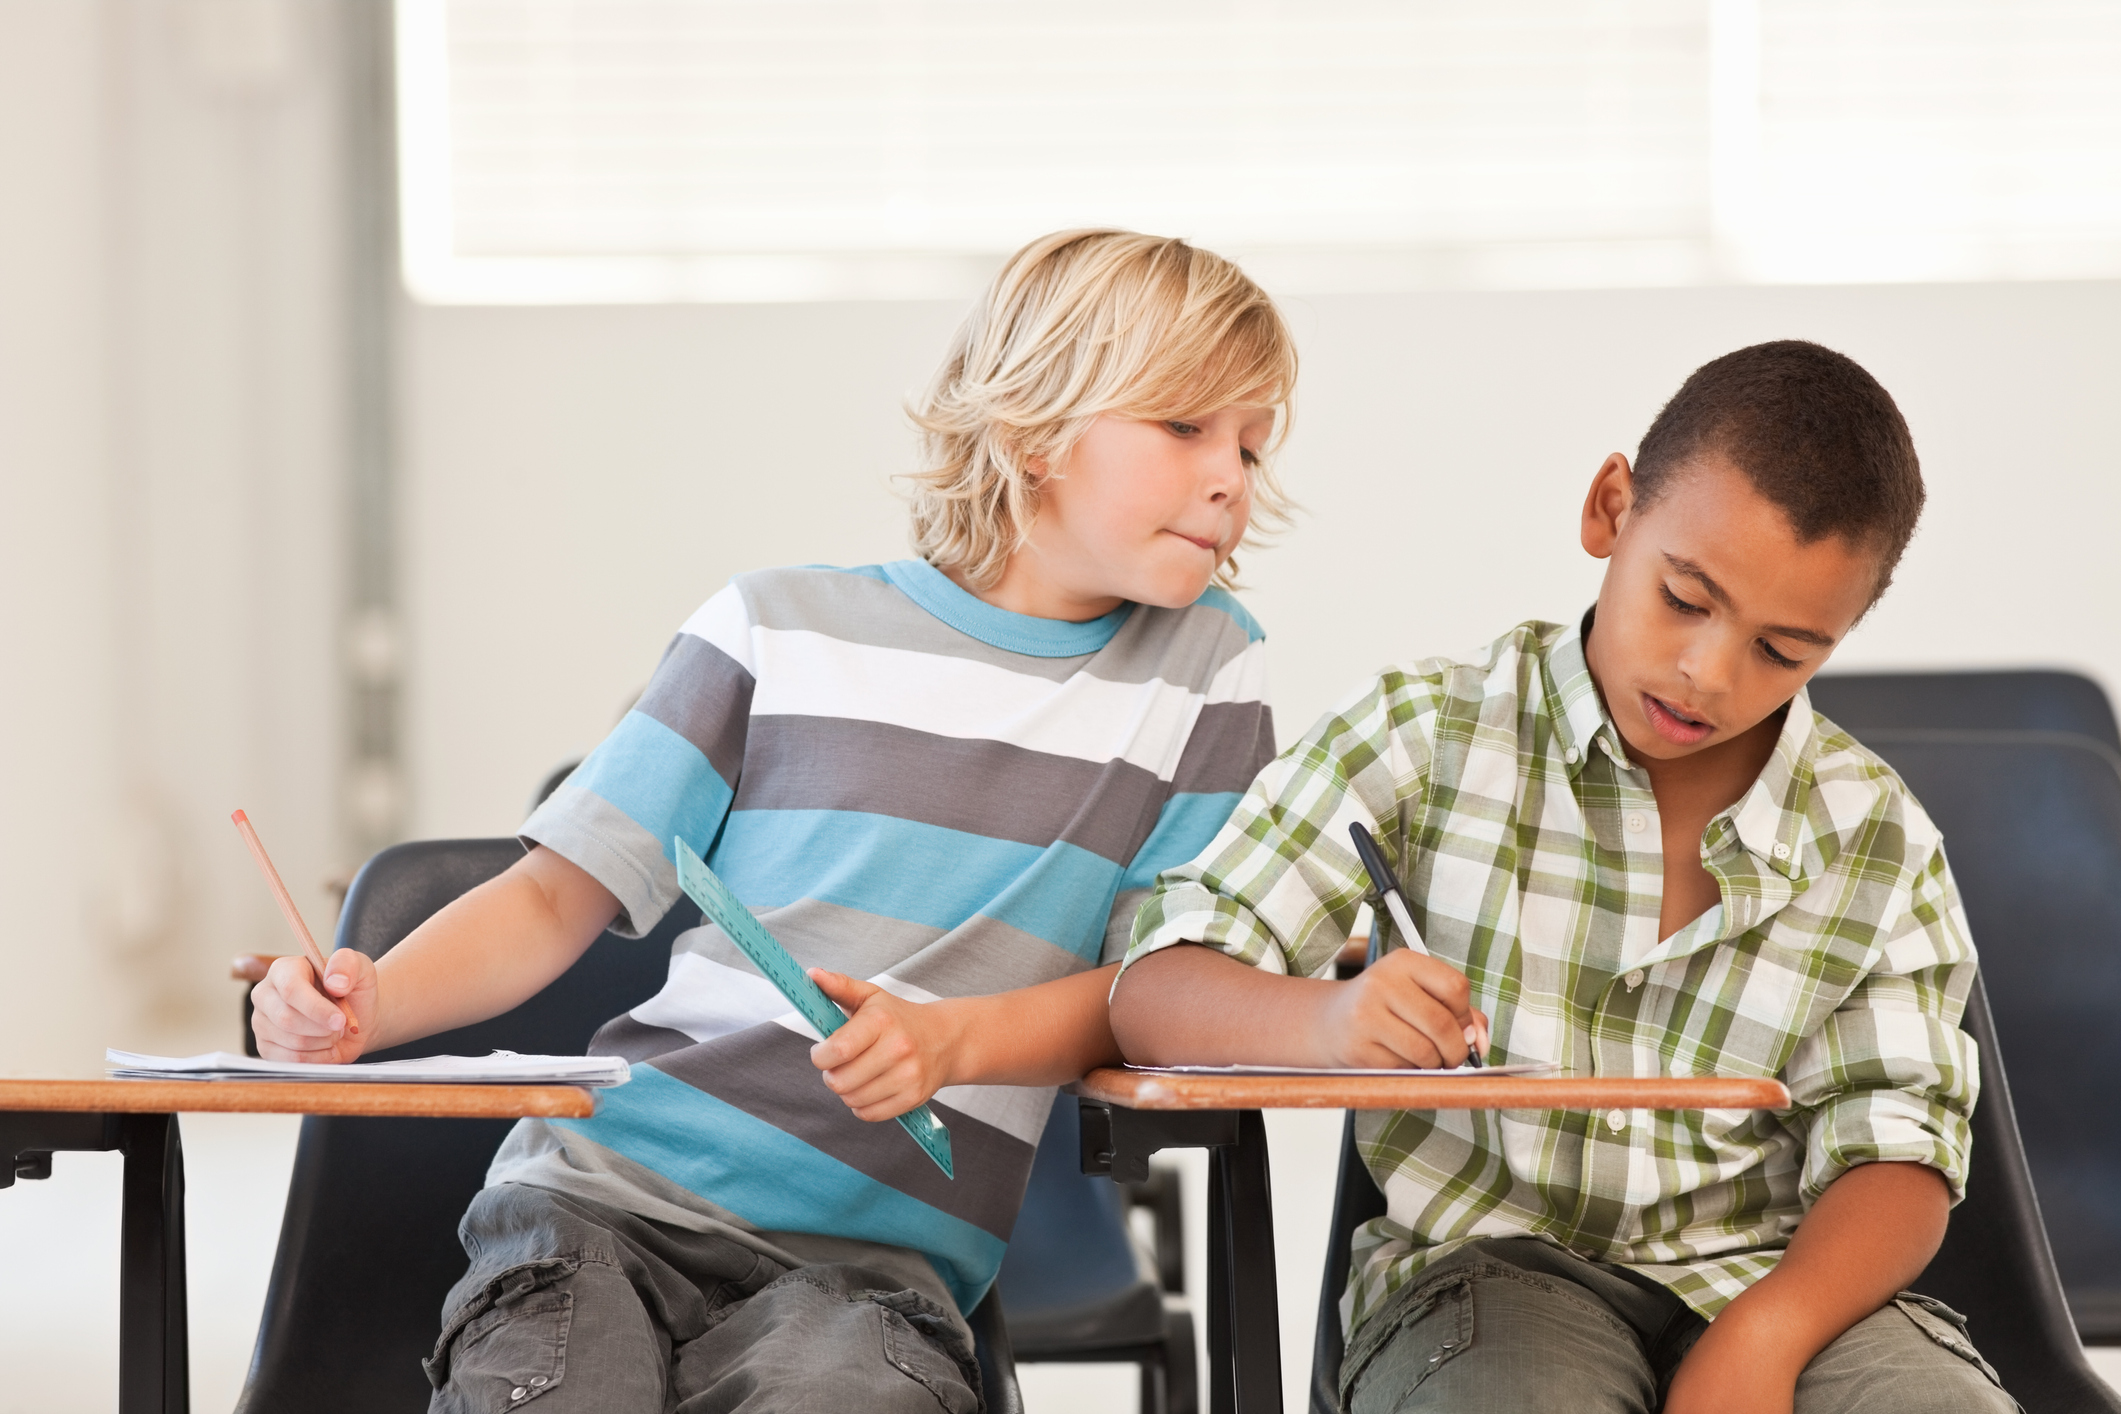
(500, 1068)
(1327, 1072)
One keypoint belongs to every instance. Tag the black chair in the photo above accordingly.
(1076, 1287)
(2032, 825)
(368, 1246)
(2031, 700)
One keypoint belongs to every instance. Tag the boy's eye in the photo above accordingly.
(1248, 456)
(1678, 603)
(1183, 429)
(1776, 658)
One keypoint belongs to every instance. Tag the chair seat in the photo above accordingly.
(1131, 1316)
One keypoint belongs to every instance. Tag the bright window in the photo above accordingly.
(623, 150)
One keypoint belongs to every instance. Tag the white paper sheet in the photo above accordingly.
(1527, 1068)
(500, 1068)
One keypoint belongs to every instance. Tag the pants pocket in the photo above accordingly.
(1435, 1327)
(1946, 1327)
(923, 1344)
(507, 1345)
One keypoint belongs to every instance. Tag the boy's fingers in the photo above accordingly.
(1429, 1019)
(289, 996)
(857, 1036)
(847, 991)
(1445, 983)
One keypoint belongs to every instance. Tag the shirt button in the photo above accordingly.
(1616, 1120)
(1634, 979)
(1781, 851)
(517, 1393)
(540, 1381)
(1636, 823)
(1571, 755)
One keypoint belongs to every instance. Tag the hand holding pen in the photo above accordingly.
(1381, 876)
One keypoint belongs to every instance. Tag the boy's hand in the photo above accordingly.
(296, 1022)
(1406, 1009)
(891, 1055)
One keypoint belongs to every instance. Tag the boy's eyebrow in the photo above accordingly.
(1722, 596)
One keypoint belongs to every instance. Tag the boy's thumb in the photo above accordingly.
(843, 989)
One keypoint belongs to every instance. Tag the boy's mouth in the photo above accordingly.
(1211, 546)
(1673, 725)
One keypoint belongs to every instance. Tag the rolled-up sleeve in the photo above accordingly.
(1279, 886)
(1891, 1077)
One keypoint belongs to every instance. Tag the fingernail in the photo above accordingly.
(1472, 1036)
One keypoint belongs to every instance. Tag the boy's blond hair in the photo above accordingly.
(1079, 324)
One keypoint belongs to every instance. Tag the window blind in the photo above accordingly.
(788, 149)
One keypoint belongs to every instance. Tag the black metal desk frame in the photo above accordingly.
(154, 1366)
(1244, 1317)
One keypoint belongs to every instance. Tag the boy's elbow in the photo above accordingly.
(1153, 1000)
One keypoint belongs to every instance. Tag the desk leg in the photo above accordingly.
(1244, 1313)
(154, 1358)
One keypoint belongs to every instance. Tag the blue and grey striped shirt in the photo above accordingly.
(910, 785)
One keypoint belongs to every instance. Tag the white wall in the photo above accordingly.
(170, 385)
(579, 479)
(57, 782)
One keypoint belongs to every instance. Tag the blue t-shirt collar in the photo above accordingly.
(969, 614)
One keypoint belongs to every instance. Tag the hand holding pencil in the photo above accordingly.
(308, 1008)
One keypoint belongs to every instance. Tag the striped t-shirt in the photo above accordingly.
(909, 785)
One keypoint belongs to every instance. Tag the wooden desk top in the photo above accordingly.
(1161, 1090)
(112, 1096)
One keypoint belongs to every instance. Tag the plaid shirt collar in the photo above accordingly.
(1771, 822)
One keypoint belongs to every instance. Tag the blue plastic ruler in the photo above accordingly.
(728, 913)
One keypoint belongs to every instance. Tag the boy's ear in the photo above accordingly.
(1605, 509)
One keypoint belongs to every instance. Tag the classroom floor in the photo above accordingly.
(59, 1244)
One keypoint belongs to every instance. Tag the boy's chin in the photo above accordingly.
(1168, 591)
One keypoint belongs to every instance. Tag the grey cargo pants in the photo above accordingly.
(572, 1306)
(1514, 1325)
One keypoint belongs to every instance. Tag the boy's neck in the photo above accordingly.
(1021, 591)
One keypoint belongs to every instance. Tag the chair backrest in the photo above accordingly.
(2032, 827)
(1996, 1266)
(368, 1246)
(2039, 700)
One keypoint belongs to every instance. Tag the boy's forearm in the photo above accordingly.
(1191, 1005)
(490, 950)
(1868, 1237)
(1044, 1035)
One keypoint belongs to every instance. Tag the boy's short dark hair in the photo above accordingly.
(1811, 430)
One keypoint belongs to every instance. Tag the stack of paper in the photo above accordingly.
(500, 1068)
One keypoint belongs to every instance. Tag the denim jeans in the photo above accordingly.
(571, 1306)
(1513, 1324)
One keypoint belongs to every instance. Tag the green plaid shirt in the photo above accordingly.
(1528, 843)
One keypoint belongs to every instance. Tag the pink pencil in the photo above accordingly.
(287, 906)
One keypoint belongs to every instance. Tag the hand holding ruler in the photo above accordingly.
(728, 913)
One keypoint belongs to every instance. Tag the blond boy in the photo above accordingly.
(949, 780)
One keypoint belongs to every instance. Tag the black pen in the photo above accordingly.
(1373, 861)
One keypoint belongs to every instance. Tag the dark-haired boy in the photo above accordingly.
(1634, 843)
